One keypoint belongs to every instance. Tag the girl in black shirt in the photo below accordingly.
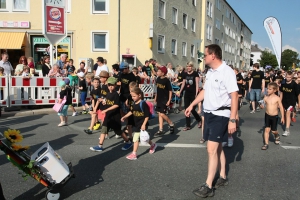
(66, 91)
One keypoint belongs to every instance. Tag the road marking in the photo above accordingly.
(291, 147)
(177, 145)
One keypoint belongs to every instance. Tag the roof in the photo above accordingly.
(254, 48)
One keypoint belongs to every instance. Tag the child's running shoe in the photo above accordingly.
(159, 133)
(131, 156)
(88, 131)
(221, 182)
(293, 119)
(96, 148)
(127, 146)
(172, 129)
(84, 112)
(204, 191)
(74, 114)
(152, 148)
(97, 126)
(286, 133)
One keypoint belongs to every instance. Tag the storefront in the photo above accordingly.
(40, 47)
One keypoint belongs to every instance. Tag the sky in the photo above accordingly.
(287, 12)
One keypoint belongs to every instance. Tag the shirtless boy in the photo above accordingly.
(272, 102)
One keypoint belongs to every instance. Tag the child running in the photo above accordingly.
(65, 91)
(140, 112)
(163, 99)
(272, 102)
(112, 113)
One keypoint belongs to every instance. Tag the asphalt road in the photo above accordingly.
(172, 172)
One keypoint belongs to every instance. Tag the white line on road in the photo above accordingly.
(177, 145)
(291, 147)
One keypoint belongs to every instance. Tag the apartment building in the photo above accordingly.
(224, 27)
(130, 30)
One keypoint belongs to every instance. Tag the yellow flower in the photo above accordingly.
(17, 147)
(13, 135)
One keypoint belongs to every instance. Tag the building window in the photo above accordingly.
(184, 17)
(161, 44)
(208, 32)
(209, 9)
(192, 50)
(100, 6)
(20, 5)
(161, 9)
(218, 24)
(184, 49)
(194, 2)
(174, 15)
(217, 41)
(218, 4)
(2, 4)
(227, 13)
(100, 41)
(193, 25)
(174, 47)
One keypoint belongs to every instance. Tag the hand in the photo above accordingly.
(178, 94)
(199, 111)
(282, 120)
(263, 90)
(122, 119)
(100, 99)
(261, 106)
(188, 111)
(168, 103)
(143, 127)
(104, 111)
(119, 83)
(231, 127)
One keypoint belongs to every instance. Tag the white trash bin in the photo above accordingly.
(51, 163)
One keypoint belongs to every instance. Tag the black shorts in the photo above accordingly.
(289, 106)
(215, 128)
(130, 121)
(271, 121)
(161, 107)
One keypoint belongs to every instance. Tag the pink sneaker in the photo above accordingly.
(152, 148)
(131, 156)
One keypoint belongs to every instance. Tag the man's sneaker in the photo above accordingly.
(96, 126)
(253, 111)
(74, 114)
(117, 136)
(61, 124)
(221, 182)
(159, 133)
(257, 109)
(96, 148)
(127, 146)
(152, 148)
(204, 191)
(131, 156)
(84, 112)
(230, 142)
(88, 131)
(224, 144)
(286, 133)
(172, 129)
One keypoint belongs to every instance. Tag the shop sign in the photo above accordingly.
(14, 24)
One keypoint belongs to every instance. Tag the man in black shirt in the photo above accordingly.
(256, 86)
(147, 69)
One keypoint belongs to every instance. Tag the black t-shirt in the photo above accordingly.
(190, 83)
(147, 70)
(66, 92)
(95, 66)
(117, 77)
(290, 93)
(179, 77)
(257, 77)
(139, 115)
(95, 94)
(163, 88)
(112, 117)
(72, 67)
(103, 91)
(267, 81)
(138, 80)
(247, 79)
(82, 83)
(238, 78)
(125, 80)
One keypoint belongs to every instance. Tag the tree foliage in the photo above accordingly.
(288, 57)
(267, 58)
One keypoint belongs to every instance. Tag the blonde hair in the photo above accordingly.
(132, 84)
(191, 64)
(179, 68)
(89, 75)
(30, 58)
(137, 91)
(32, 70)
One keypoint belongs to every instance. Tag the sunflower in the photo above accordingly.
(19, 148)
(13, 135)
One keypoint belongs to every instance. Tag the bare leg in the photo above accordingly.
(222, 162)
(213, 160)
(266, 135)
(61, 118)
(135, 146)
(288, 119)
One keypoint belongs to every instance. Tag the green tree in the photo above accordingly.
(288, 57)
(267, 58)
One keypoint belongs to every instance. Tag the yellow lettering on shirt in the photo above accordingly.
(256, 76)
(287, 89)
(109, 102)
(125, 81)
(138, 114)
(103, 92)
(161, 86)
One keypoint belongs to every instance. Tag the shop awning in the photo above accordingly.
(11, 40)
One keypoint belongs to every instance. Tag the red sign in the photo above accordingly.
(55, 20)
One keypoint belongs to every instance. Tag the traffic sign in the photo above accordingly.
(54, 20)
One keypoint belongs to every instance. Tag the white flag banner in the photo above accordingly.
(274, 31)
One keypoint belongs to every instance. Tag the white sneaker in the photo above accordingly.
(61, 124)
(230, 141)
(253, 111)
(286, 133)
(224, 144)
(75, 114)
(117, 136)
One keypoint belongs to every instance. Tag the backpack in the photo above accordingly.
(151, 108)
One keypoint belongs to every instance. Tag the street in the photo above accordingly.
(178, 166)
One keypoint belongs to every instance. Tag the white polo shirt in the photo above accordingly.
(7, 67)
(218, 85)
(102, 68)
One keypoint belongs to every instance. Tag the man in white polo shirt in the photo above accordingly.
(101, 66)
(220, 94)
(6, 64)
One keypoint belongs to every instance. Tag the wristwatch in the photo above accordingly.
(232, 120)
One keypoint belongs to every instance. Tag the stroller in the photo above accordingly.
(174, 100)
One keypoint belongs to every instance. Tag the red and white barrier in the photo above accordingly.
(4, 91)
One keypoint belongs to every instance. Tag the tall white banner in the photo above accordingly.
(274, 31)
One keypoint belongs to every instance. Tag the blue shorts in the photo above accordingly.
(83, 95)
(64, 111)
(215, 128)
(255, 94)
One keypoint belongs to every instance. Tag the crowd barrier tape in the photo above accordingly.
(4, 91)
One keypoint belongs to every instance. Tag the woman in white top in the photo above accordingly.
(171, 73)
(20, 67)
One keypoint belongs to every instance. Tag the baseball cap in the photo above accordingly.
(67, 81)
(62, 84)
(124, 65)
(80, 74)
(104, 74)
(163, 69)
(112, 80)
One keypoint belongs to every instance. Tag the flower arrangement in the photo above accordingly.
(12, 137)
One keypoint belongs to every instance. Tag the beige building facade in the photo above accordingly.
(164, 30)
